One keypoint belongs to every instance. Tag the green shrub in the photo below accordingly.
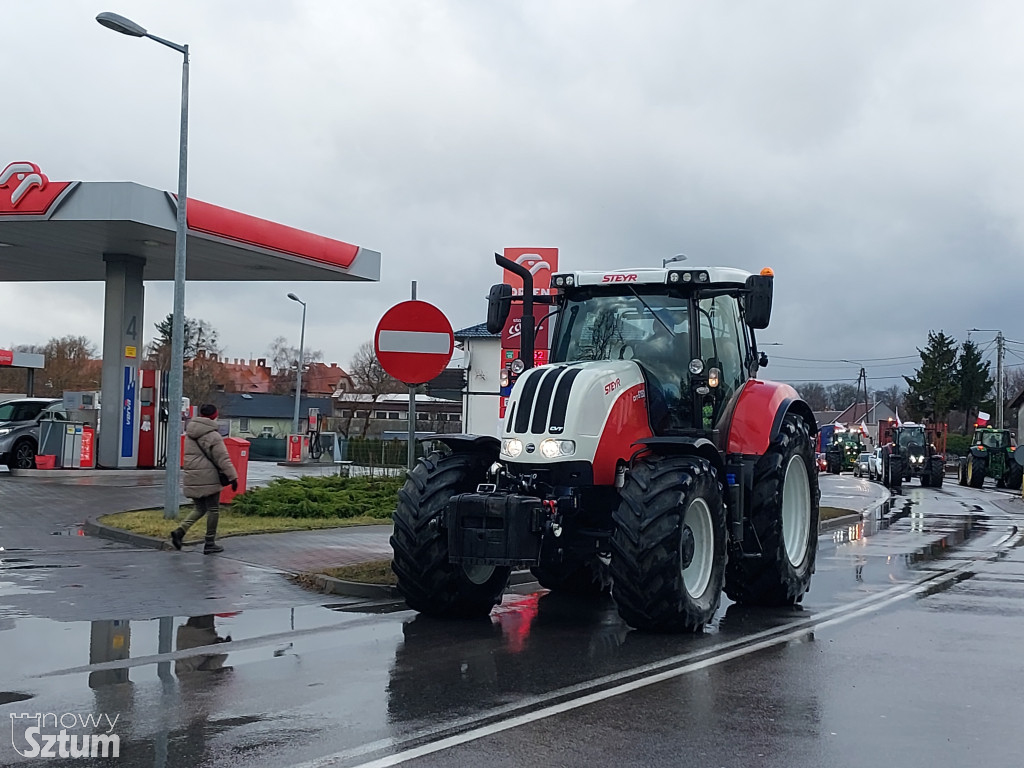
(957, 445)
(322, 497)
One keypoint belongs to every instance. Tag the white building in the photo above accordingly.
(482, 360)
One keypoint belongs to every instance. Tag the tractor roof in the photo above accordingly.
(654, 276)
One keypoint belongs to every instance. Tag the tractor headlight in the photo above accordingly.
(511, 447)
(552, 448)
(696, 366)
(917, 459)
(518, 366)
(713, 374)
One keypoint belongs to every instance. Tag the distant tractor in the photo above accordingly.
(843, 451)
(918, 457)
(992, 454)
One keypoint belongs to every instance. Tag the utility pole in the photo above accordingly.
(1000, 354)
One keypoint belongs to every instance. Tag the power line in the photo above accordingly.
(852, 362)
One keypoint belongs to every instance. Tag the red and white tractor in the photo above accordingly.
(646, 458)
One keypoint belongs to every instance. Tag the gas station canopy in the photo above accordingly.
(52, 231)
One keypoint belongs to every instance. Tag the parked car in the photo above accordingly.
(860, 466)
(19, 428)
(875, 464)
(821, 462)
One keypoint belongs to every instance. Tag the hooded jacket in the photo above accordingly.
(200, 475)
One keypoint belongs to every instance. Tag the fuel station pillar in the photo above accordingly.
(122, 349)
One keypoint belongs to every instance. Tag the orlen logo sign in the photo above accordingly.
(541, 262)
(617, 278)
(25, 190)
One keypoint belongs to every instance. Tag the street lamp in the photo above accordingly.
(298, 374)
(175, 379)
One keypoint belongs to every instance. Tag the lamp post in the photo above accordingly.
(175, 379)
(298, 373)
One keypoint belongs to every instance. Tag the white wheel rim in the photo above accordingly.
(697, 575)
(478, 574)
(796, 511)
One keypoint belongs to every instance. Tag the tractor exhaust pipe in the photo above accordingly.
(527, 326)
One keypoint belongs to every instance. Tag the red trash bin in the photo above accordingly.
(238, 450)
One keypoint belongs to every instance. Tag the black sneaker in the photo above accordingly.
(176, 536)
(212, 549)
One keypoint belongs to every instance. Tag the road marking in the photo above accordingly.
(648, 675)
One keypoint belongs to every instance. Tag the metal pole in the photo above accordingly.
(298, 373)
(999, 379)
(411, 448)
(173, 479)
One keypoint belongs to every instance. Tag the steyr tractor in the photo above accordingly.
(645, 458)
(915, 453)
(992, 453)
(841, 454)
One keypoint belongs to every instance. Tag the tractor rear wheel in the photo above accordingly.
(428, 582)
(570, 573)
(668, 546)
(961, 472)
(784, 519)
(896, 473)
(1014, 476)
(975, 471)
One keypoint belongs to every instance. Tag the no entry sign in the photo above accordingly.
(414, 341)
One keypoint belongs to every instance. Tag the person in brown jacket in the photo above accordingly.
(206, 464)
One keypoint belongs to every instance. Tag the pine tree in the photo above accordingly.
(935, 388)
(974, 379)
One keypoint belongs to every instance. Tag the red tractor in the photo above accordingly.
(646, 457)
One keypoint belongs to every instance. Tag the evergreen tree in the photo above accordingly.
(974, 379)
(935, 388)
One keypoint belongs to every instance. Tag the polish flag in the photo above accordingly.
(863, 428)
(982, 419)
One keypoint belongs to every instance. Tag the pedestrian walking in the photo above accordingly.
(208, 469)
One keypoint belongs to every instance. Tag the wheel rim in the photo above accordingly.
(697, 575)
(796, 505)
(478, 574)
(23, 456)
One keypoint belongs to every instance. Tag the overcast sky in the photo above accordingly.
(871, 153)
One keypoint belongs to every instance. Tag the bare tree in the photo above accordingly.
(71, 365)
(368, 378)
(283, 360)
(814, 395)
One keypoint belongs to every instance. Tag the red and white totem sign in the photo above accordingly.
(414, 341)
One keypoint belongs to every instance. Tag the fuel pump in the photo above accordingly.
(313, 426)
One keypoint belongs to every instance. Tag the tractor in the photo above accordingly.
(645, 459)
(992, 453)
(843, 451)
(913, 449)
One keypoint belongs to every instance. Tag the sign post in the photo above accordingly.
(414, 343)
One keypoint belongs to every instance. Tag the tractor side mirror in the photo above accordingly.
(757, 302)
(499, 304)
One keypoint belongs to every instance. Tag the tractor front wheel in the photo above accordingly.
(569, 572)
(784, 519)
(668, 546)
(428, 582)
(961, 472)
(975, 471)
(1014, 476)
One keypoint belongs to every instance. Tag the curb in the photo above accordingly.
(93, 527)
(333, 586)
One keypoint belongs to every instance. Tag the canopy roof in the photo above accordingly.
(51, 231)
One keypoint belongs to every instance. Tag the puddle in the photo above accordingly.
(71, 530)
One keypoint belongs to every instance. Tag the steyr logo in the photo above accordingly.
(24, 189)
(631, 278)
(46, 735)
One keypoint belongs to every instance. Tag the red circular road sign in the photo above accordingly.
(414, 341)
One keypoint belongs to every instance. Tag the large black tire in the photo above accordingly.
(976, 467)
(896, 473)
(428, 582)
(23, 454)
(668, 546)
(961, 472)
(569, 573)
(784, 519)
(938, 473)
(1014, 476)
(926, 477)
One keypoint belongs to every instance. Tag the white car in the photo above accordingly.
(860, 466)
(875, 464)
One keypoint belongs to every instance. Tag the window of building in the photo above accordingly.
(243, 425)
(380, 414)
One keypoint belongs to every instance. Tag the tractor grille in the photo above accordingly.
(543, 403)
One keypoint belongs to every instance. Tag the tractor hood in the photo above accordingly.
(575, 403)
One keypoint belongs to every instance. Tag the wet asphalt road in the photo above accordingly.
(906, 652)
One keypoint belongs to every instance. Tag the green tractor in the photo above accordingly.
(841, 454)
(912, 443)
(992, 453)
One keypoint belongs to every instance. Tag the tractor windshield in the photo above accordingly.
(995, 439)
(912, 437)
(653, 330)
